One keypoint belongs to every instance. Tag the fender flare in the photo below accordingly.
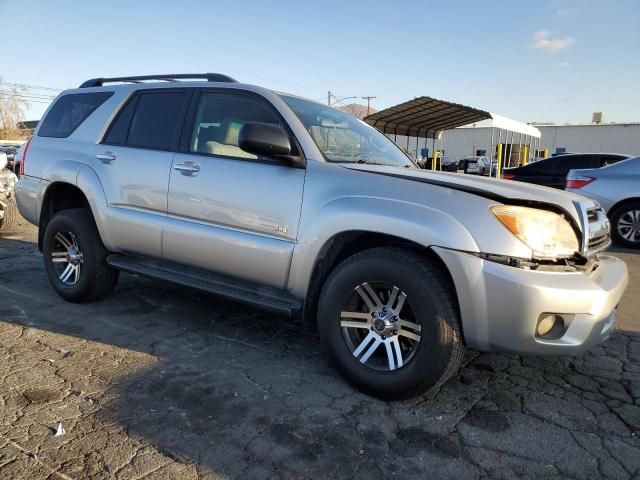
(86, 180)
(376, 215)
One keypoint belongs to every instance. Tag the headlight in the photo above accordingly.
(548, 234)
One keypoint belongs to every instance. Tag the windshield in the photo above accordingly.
(343, 138)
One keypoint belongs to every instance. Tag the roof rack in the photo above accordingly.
(209, 77)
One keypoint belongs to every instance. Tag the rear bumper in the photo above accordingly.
(501, 305)
(27, 190)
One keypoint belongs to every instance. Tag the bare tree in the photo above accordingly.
(13, 105)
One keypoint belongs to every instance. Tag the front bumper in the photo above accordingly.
(501, 305)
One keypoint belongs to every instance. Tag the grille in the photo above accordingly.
(597, 230)
(598, 242)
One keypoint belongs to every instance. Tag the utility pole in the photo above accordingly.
(368, 99)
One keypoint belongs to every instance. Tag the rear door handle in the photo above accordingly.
(106, 157)
(190, 168)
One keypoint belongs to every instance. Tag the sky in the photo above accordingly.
(543, 61)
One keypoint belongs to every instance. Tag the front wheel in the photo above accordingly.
(389, 319)
(75, 258)
(625, 221)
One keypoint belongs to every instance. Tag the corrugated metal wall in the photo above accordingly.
(606, 138)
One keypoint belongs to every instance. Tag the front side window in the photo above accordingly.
(69, 112)
(218, 120)
(343, 138)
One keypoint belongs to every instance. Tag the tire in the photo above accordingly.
(10, 216)
(95, 278)
(625, 224)
(430, 304)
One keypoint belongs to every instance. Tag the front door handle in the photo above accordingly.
(190, 168)
(106, 157)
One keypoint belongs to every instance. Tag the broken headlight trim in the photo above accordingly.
(548, 234)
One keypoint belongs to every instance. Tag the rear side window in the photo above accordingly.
(149, 120)
(69, 112)
(155, 121)
(119, 129)
(546, 166)
(566, 163)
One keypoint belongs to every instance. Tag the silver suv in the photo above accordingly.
(290, 205)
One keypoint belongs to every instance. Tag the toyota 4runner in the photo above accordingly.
(290, 205)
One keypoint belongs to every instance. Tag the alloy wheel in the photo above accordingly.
(629, 226)
(67, 258)
(379, 326)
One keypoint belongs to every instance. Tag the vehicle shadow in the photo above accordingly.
(242, 393)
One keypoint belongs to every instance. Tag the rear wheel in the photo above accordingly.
(389, 320)
(75, 258)
(625, 221)
(10, 215)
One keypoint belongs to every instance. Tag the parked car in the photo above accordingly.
(17, 159)
(617, 188)
(10, 152)
(8, 208)
(552, 172)
(475, 164)
(292, 206)
(450, 165)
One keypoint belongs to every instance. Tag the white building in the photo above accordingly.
(464, 141)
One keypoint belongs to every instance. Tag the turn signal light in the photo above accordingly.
(508, 176)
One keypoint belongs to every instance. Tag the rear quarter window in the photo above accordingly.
(69, 112)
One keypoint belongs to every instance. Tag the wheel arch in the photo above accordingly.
(58, 196)
(621, 203)
(83, 189)
(344, 244)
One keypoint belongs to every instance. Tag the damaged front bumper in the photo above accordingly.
(504, 307)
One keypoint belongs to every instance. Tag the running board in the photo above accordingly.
(261, 296)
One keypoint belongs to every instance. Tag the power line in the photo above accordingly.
(36, 96)
(26, 96)
(31, 86)
(30, 99)
(368, 98)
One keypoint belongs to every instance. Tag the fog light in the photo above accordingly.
(550, 326)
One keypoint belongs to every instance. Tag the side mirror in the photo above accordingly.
(264, 139)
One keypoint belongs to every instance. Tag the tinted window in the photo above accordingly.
(566, 163)
(69, 112)
(156, 118)
(218, 121)
(610, 160)
(546, 166)
(117, 134)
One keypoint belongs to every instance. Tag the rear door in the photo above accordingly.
(133, 162)
(230, 211)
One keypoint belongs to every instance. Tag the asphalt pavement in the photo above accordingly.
(162, 382)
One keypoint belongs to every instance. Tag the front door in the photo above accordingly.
(230, 211)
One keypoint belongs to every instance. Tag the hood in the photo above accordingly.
(502, 191)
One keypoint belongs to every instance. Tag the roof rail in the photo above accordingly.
(209, 77)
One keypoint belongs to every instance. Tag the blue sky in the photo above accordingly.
(555, 60)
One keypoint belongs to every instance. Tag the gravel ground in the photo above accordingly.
(163, 382)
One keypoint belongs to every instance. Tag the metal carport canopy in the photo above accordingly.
(427, 117)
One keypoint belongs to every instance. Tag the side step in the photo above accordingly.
(252, 293)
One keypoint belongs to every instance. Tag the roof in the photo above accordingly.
(427, 117)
